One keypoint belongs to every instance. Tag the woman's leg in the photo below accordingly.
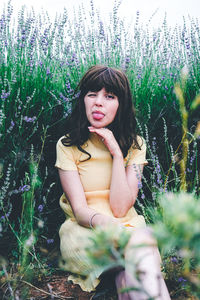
(146, 276)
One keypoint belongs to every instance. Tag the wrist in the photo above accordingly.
(118, 154)
(91, 221)
(97, 219)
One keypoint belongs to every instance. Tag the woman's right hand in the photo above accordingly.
(73, 189)
(98, 219)
(108, 139)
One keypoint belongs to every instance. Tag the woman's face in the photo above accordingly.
(101, 108)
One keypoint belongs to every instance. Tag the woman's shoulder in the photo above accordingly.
(135, 154)
(138, 143)
(64, 140)
(60, 139)
(62, 144)
(140, 140)
(59, 142)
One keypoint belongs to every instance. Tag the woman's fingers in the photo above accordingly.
(107, 138)
(102, 132)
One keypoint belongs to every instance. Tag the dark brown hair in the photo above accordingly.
(124, 125)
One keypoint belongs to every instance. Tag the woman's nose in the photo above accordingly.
(99, 100)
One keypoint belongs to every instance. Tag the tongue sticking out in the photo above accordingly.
(98, 116)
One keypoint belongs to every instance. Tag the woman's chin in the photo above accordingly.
(98, 125)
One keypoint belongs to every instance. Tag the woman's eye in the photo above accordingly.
(91, 95)
(110, 96)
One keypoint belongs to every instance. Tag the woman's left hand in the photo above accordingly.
(108, 139)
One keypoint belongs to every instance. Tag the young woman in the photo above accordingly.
(100, 162)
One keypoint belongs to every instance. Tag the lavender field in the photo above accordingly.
(41, 62)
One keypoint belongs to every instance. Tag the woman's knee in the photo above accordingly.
(143, 236)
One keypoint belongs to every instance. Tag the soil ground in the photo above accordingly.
(57, 286)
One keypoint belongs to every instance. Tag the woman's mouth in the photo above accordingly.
(97, 115)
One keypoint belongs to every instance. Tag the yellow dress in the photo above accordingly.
(95, 176)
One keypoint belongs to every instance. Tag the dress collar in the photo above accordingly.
(96, 140)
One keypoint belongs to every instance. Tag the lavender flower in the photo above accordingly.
(4, 217)
(174, 259)
(70, 91)
(24, 188)
(127, 60)
(182, 281)
(187, 43)
(139, 184)
(29, 120)
(2, 22)
(137, 17)
(189, 170)
(50, 241)
(12, 124)
(48, 72)
(65, 99)
(40, 208)
(101, 29)
(4, 95)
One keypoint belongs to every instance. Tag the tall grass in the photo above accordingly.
(41, 62)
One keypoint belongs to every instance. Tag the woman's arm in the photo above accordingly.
(124, 186)
(124, 181)
(73, 189)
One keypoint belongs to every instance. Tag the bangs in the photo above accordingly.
(105, 78)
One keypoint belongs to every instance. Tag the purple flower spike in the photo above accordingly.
(48, 71)
(24, 188)
(174, 259)
(40, 208)
(29, 120)
(50, 241)
(181, 279)
(4, 95)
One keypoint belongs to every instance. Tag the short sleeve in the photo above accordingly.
(137, 156)
(65, 157)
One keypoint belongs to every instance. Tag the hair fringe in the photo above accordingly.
(124, 124)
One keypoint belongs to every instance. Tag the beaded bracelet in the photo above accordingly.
(90, 223)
